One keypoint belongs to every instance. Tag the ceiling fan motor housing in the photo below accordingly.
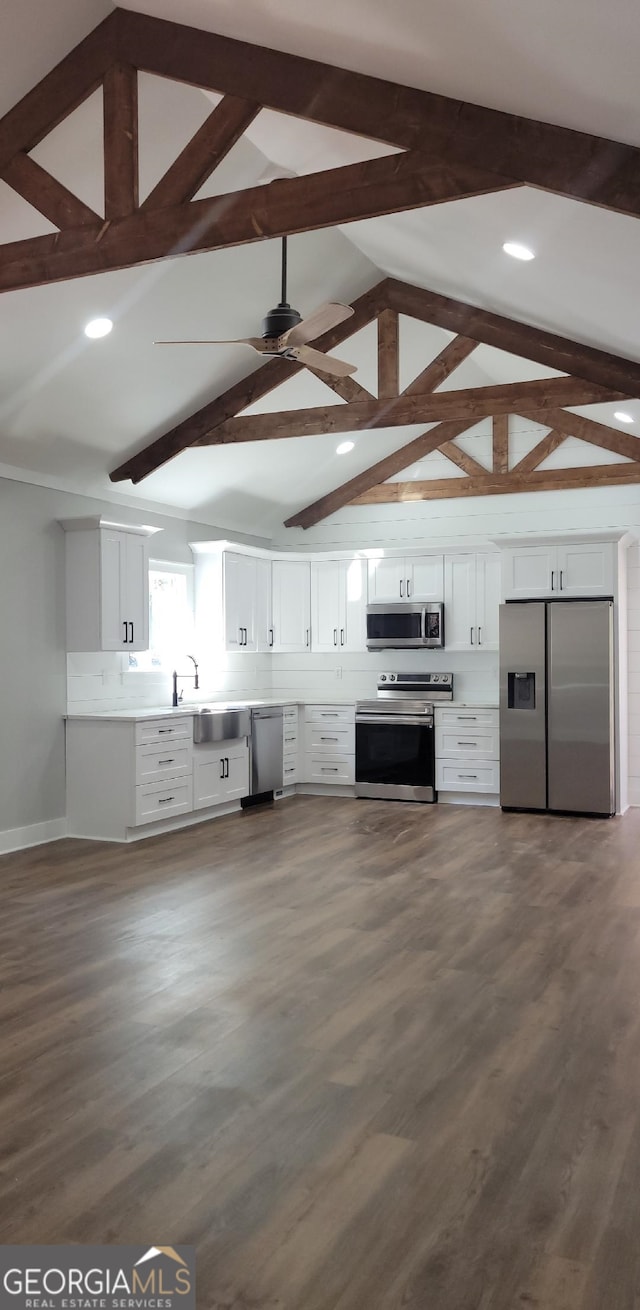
(279, 320)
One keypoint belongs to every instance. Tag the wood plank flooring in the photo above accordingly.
(361, 1054)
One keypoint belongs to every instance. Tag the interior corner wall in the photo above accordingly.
(33, 665)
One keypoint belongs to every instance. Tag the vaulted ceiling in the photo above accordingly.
(71, 410)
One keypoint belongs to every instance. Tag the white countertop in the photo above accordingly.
(137, 715)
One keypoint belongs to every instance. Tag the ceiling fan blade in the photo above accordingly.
(322, 319)
(256, 343)
(324, 363)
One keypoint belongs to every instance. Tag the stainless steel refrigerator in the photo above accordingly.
(557, 706)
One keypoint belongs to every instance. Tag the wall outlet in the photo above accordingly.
(338, 673)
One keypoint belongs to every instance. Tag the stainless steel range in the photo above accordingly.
(395, 736)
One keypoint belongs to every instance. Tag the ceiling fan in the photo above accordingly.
(285, 334)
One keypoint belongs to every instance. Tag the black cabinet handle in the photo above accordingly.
(335, 636)
(401, 591)
(131, 637)
(171, 761)
(226, 762)
(165, 800)
(471, 636)
(408, 588)
(271, 636)
(307, 636)
(479, 636)
(342, 636)
(126, 639)
(553, 574)
(222, 768)
(561, 582)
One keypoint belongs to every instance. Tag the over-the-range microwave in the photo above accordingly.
(409, 626)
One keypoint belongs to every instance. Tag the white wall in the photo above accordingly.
(33, 665)
(354, 677)
(105, 682)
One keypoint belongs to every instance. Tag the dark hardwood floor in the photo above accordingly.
(364, 1056)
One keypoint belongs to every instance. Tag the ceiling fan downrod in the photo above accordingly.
(283, 317)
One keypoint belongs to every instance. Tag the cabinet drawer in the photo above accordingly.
(160, 800)
(153, 763)
(328, 768)
(470, 718)
(465, 743)
(290, 737)
(337, 738)
(151, 731)
(468, 775)
(329, 713)
(290, 712)
(290, 769)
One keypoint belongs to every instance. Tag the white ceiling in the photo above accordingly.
(71, 409)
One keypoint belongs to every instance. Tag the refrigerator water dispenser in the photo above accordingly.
(521, 691)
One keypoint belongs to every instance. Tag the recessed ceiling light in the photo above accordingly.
(344, 447)
(623, 417)
(517, 250)
(98, 327)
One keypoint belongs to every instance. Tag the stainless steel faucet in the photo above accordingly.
(175, 700)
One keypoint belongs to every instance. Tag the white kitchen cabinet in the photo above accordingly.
(337, 606)
(414, 578)
(107, 586)
(329, 745)
(467, 750)
(564, 569)
(240, 601)
(472, 601)
(220, 773)
(291, 605)
(264, 631)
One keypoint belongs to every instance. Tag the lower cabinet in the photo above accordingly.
(290, 752)
(220, 773)
(329, 744)
(467, 749)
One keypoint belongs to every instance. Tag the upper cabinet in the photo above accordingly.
(240, 601)
(420, 578)
(290, 629)
(107, 583)
(472, 601)
(567, 570)
(338, 605)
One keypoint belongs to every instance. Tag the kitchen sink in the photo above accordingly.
(224, 724)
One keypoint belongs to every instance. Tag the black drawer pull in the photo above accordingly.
(165, 800)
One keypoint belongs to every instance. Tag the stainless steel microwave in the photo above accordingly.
(411, 626)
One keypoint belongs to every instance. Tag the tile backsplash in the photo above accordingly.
(104, 681)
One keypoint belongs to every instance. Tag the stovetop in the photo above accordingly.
(408, 693)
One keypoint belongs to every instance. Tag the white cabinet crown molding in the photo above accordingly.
(99, 521)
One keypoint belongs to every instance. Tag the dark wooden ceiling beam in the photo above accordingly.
(462, 460)
(587, 429)
(540, 154)
(377, 473)
(440, 368)
(471, 404)
(603, 475)
(274, 209)
(202, 154)
(40, 189)
(500, 443)
(388, 354)
(245, 392)
(534, 457)
(120, 100)
(60, 92)
(521, 339)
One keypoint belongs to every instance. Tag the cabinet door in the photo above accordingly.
(488, 591)
(460, 628)
(240, 601)
(264, 632)
(114, 631)
(208, 778)
(291, 605)
(135, 590)
(236, 781)
(530, 572)
(586, 569)
(387, 580)
(327, 605)
(425, 578)
(353, 634)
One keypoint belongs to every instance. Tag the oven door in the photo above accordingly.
(395, 757)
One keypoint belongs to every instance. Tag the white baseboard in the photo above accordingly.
(18, 839)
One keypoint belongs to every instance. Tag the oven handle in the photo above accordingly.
(423, 720)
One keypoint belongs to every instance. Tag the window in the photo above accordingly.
(171, 627)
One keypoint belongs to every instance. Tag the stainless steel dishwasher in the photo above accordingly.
(266, 751)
